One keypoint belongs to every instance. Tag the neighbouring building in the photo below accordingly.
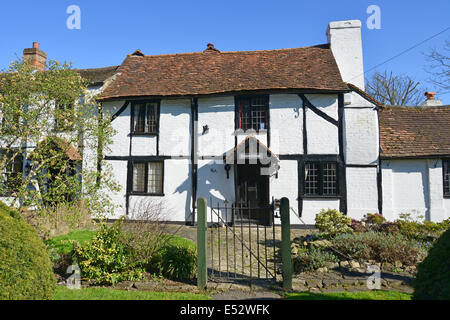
(248, 127)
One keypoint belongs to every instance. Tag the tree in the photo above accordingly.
(440, 66)
(395, 90)
(49, 125)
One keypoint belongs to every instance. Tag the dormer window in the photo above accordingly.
(253, 113)
(145, 118)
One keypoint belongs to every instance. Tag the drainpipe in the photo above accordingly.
(194, 155)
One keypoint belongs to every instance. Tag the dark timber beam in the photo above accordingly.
(317, 110)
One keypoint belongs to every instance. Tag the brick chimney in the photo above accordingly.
(431, 101)
(35, 56)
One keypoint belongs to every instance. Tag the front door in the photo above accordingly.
(253, 193)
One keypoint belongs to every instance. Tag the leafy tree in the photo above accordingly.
(394, 90)
(51, 123)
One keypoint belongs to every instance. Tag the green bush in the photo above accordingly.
(177, 260)
(312, 259)
(333, 222)
(25, 267)
(105, 260)
(421, 230)
(379, 246)
(433, 275)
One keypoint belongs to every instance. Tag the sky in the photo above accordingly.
(112, 29)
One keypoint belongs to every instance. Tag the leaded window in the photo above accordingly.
(253, 113)
(145, 118)
(148, 177)
(320, 179)
(446, 168)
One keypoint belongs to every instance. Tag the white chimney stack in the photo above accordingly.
(344, 38)
(431, 101)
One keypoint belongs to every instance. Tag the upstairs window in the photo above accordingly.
(320, 179)
(446, 169)
(148, 178)
(253, 113)
(145, 118)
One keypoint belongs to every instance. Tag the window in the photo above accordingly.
(446, 169)
(320, 179)
(145, 118)
(11, 177)
(64, 117)
(148, 178)
(253, 113)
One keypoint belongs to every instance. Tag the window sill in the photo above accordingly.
(336, 197)
(446, 196)
(143, 134)
(147, 194)
(241, 132)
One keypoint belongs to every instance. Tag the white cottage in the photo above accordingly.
(180, 118)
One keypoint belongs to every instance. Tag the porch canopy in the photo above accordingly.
(252, 151)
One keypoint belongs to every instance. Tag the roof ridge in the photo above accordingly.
(319, 46)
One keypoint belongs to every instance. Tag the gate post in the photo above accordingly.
(202, 228)
(286, 244)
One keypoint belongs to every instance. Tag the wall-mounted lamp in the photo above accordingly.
(205, 130)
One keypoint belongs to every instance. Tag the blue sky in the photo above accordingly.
(112, 29)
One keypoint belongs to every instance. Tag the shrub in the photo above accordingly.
(177, 260)
(433, 276)
(421, 230)
(105, 260)
(25, 267)
(312, 259)
(333, 222)
(379, 246)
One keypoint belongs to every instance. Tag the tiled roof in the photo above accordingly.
(97, 76)
(415, 131)
(212, 72)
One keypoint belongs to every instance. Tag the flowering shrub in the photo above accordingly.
(333, 222)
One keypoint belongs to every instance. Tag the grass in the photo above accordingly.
(63, 293)
(63, 244)
(369, 295)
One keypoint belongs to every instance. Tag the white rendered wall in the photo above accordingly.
(286, 186)
(120, 145)
(323, 136)
(213, 184)
(312, 207)
(362, 192)
(119, 171)
(218, 114)
(174, 130)
(405, 188)
(286, 123)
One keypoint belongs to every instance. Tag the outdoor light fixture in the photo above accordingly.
(205, 130)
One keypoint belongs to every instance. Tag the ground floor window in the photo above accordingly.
(320, 179)
(12, 175)
(148, 178)
(446, 168)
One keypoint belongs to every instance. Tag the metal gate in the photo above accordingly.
(242, 242)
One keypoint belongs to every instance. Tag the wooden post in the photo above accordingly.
(202, 228)
(286, 244)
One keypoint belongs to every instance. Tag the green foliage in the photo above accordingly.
(25, 267)
(177, 260)
(312, 259)
(433, 276)
(421, 230)
(105, 260)
(333, 222)
(379, 246)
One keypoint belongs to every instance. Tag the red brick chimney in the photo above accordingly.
(36, 57)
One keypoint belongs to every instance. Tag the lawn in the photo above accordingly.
(64, 244)
(63, 293)
(369, 295)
